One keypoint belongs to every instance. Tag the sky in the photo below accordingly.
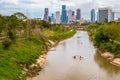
(35, 8)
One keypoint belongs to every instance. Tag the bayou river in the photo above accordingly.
(61, 64)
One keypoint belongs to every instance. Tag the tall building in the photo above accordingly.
(52, 18)
(78, 14)
(97, 17)
(63, 7)
(113, 16)
(49, 20)
(105, 15)
(46, 14)
(64, 15)
(73, 15)
(57, 17)
(70, 17)
(93, 15)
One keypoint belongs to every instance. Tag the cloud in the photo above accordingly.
(9, 1)
(62, 2)
(35, 6)
(27, 2)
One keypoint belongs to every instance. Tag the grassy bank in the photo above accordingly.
(22, 41)
(60, 35)
(106, 37)
(23, 53)
(20, 54)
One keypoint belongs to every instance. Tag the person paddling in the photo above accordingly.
(80, 57)
(74, 57)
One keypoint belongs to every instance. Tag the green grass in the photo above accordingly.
(20, 53)
(25, 52)
(62, 35)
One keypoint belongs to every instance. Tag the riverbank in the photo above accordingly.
(106, 39)
(53, 41)
(40, 62)
(111, 58)
(24, 58)
(23, 40)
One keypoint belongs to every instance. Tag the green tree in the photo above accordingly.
(20, 16)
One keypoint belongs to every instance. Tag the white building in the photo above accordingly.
(58, 17)
(105, 15)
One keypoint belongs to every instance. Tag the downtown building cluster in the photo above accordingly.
(70, 16)
(65, 17)
(103, 15)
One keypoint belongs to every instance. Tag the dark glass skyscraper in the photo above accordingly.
(46, 14)
(64, 15)
(78, 14)
(49, 20)
(63, 7)
(73, 13)
(93, 15)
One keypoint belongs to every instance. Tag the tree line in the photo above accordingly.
(19, 26)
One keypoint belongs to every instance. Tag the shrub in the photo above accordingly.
(6, 43)
(11, 35)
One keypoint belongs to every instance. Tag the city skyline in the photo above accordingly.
(65, 17)
(35, 8)
(69, 16)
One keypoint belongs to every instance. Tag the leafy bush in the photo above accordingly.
(6, 43)
(11, 35)
(106, 37)
(100, 37)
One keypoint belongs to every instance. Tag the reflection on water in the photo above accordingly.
(110, 69)
(62, 66)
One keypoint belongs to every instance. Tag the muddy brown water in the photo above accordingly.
(61, 65)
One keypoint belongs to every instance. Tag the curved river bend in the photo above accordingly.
(61, 65)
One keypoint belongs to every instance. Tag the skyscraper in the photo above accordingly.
(63, 7)
(97, 17)
(105, 15)
(49, 20)
(52, 18)
(73, 15)
(93, 15)
(64, 15)
(57, 17)
(70, 17)
(113, 16)
(46, 14)
(78, 14)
